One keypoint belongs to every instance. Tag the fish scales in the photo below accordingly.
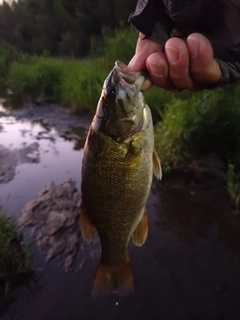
(118, 180)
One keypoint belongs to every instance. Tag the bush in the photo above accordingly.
(121, 46)
(157, 100)
(82, 83)
(76, 83)
(206, 122)
(39, 79)
(3, 67)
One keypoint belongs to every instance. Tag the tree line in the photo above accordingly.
(61, 27)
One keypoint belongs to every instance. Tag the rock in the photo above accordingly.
(55, 221)
(54, 217)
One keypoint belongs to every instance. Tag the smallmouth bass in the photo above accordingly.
(118, 166)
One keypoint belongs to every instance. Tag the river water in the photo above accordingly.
(189, 267)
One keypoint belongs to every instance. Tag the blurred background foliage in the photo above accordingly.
(61, 27)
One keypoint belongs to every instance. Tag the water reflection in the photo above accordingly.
(193, 218)
(188, 220)
(59, 159)
(76, 134)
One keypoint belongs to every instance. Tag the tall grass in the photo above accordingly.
(82, 82)
(39, 79)
(120, 47)
(14, 256)
(205, 122)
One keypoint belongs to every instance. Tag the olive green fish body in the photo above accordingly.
(115, 185)
(118, 165)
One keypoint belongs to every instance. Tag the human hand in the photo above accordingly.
(185, 64)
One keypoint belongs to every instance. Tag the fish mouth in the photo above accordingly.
(129, 76)
(120, 74)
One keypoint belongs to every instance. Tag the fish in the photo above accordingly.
(117, 171)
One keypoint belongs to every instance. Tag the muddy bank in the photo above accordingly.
(49, 116)
(54, 219)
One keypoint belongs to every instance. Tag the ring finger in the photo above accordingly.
(178, 59)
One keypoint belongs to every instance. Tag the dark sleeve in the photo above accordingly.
(218, 20)
(151, 19)
(230, 72)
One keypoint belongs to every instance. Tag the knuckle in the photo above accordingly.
(176, 76)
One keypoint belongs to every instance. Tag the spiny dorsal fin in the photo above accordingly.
(157, 170)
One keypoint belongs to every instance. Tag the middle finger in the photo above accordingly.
(178, 59)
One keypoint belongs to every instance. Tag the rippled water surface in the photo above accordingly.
(189, 267)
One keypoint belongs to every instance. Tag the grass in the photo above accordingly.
(204, 122)
(15, 258)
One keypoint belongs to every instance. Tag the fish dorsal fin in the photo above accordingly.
(157, 170)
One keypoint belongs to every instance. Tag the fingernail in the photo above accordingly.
(172, 54)
(155, 69)
(193, 46)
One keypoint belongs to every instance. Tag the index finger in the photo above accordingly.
(144, 48)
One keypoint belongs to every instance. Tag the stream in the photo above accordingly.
(189, 267)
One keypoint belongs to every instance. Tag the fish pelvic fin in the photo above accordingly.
(113, 279)
(86, 227)
(140, 233)
(157, 170)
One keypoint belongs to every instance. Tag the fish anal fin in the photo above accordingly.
(157, 170)
(113, 279)
(140, 233)
(86, 227)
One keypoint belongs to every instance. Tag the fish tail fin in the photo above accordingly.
(116, 278)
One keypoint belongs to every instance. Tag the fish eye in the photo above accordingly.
(110, 91)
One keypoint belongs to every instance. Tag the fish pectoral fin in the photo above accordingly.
(140, 233)
(157, 170)
(137, 142)
(113, 278)
(86, 227)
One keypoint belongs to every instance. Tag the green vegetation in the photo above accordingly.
(200, 123)
(233, 187)
(14, 255)
(73, 82)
